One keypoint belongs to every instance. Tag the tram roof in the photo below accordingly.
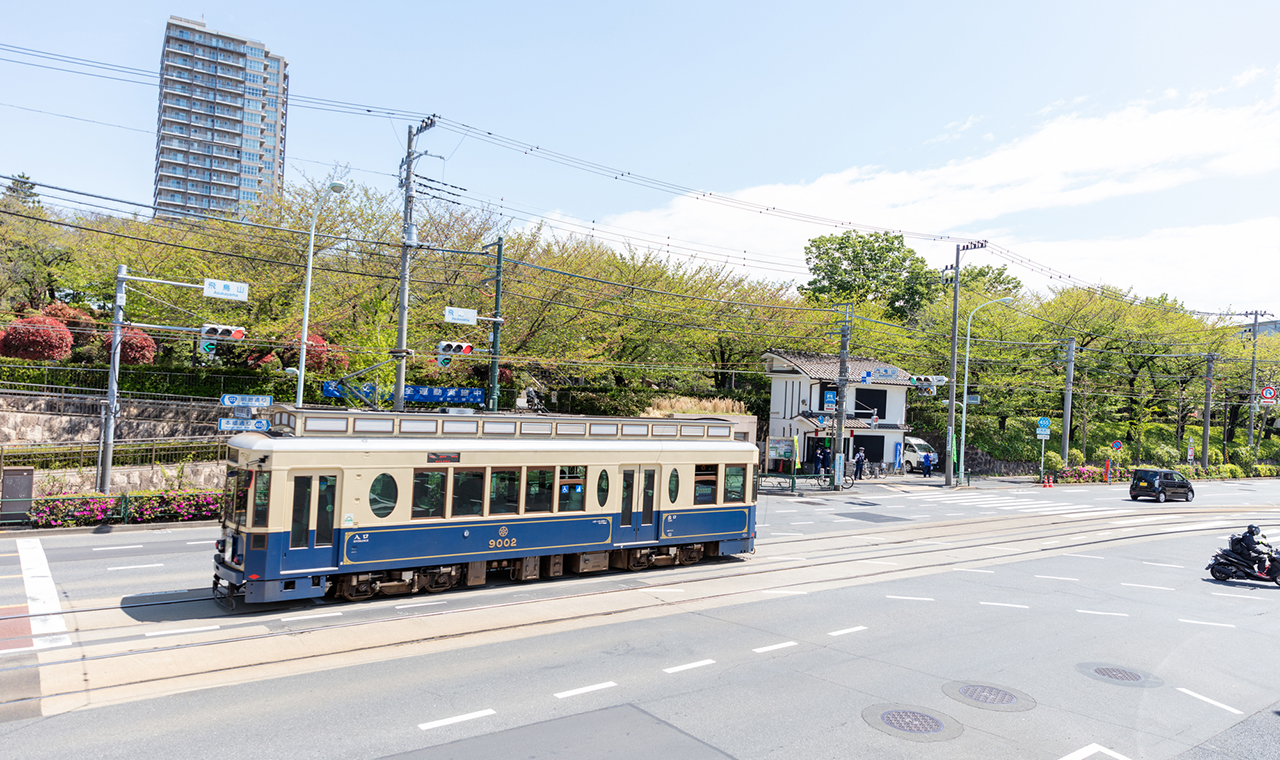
(265, 443)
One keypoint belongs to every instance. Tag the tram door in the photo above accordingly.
(313, 515)
(636, 518)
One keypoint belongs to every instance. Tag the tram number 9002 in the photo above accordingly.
(501, 543)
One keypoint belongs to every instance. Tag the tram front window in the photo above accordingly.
(239, 483)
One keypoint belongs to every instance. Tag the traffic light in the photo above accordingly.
(211, 334)
(446, 350)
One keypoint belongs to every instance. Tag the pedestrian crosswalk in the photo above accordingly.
(1005, 503)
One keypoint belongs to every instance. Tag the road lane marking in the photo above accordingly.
(809, 522)
(111, 548)
(309, 617)
(456, 719)
(772, 647)
(1085, 556)
(42, 597)
(1095, 612)
(136, 567)
(1139, 585)
(910, 598)
(876, 562)
(183, 630)
(1215, 703)
(191, 543)
(784, 511)
(1161, 564)
(5, 577)
(843, 631)
(1201, 622)
(1002, 604)
(1056, 578)
(1242, 596)
(972, 570)
(417, 604)
(586, 689)
(689, 666)
(953, 514)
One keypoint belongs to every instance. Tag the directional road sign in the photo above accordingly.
(459, 316)
(1042, 436)
(235, 399)
(230, 423)
(1042, 432)
(232, 291)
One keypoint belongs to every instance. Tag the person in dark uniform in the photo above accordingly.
(1258, 549)
(859, 460)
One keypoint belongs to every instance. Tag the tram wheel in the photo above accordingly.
(356, 591)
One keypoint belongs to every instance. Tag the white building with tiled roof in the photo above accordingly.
(802, 403)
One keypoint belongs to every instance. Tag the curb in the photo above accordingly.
(104, 528)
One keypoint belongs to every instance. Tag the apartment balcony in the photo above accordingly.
(223, 179)
(173, 171)
(226, 139)
(230, 86)
(172, 116)
(173, 60)
(172, 129)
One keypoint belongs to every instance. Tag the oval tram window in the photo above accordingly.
(383, 495)
(673, 485)
(602, 487)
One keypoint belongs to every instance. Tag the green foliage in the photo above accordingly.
(1215, 457)
(874, 267)
(1163, 455)
(1052, 461)
(1075, 457)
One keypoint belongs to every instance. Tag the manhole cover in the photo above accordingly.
(909, 720)
(912, 722)
(1118, 674)
(988, 695)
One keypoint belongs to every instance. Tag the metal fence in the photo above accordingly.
(132, 453)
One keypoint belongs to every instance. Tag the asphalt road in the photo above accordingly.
(1122, 650)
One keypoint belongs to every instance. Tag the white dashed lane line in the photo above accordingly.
(1139, 585)
(843, 631)
(1242, 596)
(1095, 612)
(972, 570)
(689, 666)
(456, 719)
(1202, 622)
(772, 647)
(418, 604)
(1056, 578)
(1084, 556)
(136, 567)
(788, 592)
(910, 598)
(585, 689)
(309, 617)
(1215, 703)
(1004, 604)
(1161, 564)
(110, 548)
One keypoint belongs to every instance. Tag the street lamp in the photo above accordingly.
(964, 414)
(334, 188)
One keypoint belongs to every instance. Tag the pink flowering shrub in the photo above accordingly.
(69, 510)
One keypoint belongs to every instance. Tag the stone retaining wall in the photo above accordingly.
(44, 419)
(203, 476)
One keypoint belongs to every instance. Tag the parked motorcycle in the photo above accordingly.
(1228, 565)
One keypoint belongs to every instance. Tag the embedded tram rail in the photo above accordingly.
(101, 672)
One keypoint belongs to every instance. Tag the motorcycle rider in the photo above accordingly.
(1257, 548)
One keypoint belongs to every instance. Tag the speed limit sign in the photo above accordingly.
(1268, 395)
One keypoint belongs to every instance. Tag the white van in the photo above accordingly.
(912, 448)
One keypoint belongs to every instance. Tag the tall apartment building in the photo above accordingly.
(220, 138)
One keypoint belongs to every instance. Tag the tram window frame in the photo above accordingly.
(512, 505)
(261, 499)
(549, 481)
(419, 486)
(240, 496)
(567, 478)
(382, 478)
(739, 494)
(326, 527)
(477, 473)
(602, 487)
(706, 483)
(673, 485)
(300, 522)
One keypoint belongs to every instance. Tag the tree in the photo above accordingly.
(22, 191)
(32, 250)
(136, 347)
(994, 281)
(874, 267)
(39, 338)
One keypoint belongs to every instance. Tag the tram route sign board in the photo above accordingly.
(236, 399)
(231, 423)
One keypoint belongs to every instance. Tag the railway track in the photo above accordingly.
(108, 656)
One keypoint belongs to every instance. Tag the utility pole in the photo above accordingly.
(1208, 399)
(408, 242)
(497, 330)
(1066, 398)
(112, 406)
(1253, 372)
(842, 385)
(955, 339)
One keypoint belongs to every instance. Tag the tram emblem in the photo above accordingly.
(502, 531)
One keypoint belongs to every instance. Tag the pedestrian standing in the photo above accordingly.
(859, 460)
(926, 464)
(826, 461)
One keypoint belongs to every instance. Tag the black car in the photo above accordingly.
(1160, 485)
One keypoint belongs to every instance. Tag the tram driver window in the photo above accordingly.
(573, 482)
(539, 489)
(240, 498)
(428, 494)
(504, 492)
(468, 493)
(704, 483)
(735, 483)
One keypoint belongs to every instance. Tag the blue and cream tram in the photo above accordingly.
(357, 503)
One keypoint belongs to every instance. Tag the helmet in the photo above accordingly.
(1254, 529)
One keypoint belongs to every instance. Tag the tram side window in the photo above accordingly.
(383, 495)
(428, 493)
(539, 489)
(468, 493)
(735, 483)
(240, 497)
(573, 485)
(261, 499)
(704, 483)
(504, 492)
(300, 528)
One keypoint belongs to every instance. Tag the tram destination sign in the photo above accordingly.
(231, 424)
(236, 399)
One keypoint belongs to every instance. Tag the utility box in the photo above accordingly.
(15, 494)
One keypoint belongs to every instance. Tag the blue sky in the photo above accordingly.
(1133, 143)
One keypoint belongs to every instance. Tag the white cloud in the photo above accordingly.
(1245, 77)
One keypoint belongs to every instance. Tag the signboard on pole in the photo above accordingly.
(1044, 422)
(232, 291)
(231, 423)
(973, 398)
(235, 399)
(1268, 394)
(781, 448)
(459, 316)
(829, 401)
(1117, 445)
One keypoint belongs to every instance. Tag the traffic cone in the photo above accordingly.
(1049, 480)
(1045, 482)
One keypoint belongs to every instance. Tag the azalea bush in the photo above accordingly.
(42, 338)
(70, 510)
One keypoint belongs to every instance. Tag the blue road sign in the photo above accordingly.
(1044, 422)
(235, 399)
(230, 423)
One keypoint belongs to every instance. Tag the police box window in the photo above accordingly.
(572, 487)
